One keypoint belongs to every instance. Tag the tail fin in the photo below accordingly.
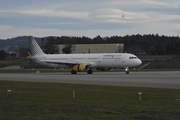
(34, 47)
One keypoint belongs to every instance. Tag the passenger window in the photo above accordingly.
(132, 57)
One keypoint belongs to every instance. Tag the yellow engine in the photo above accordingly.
(79, 68)
(104, 69)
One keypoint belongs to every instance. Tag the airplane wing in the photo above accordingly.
(65, 62)
(59, 62)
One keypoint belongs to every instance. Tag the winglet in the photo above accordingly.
(30, 56)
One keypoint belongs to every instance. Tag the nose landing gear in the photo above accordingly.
(127, 70)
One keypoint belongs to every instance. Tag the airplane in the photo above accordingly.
(84, 62)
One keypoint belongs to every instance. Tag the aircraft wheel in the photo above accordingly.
(127, 70)
(73, 72)
(89, 72)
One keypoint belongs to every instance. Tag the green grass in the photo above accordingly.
(164, 64)
(51, 101)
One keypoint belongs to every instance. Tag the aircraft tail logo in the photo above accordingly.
(34, 47)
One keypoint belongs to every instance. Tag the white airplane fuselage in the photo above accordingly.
(111, 60)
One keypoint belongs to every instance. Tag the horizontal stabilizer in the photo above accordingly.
(30, 56)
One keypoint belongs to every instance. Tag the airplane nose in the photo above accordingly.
(139, 62)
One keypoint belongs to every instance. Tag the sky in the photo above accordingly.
(90, 18)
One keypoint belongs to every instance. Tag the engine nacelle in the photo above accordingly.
(104, 69)
(80, 68)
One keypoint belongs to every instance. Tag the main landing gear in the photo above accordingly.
(73, 72)
(127, 70)
(89, 71)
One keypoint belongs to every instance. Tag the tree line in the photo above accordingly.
(137, 44)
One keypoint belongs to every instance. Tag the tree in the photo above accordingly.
(23, 52)
(43, 43)
(50, 46)
(97, 40)
(2, 55)
(13, 55)
(69, 47)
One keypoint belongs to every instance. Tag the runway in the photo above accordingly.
(162, 79)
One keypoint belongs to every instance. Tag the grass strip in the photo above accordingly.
(54, 101)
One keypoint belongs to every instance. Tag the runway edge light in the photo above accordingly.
(8, 92)
(139, 93)
(74, 94)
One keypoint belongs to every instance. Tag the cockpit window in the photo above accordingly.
(132, 57)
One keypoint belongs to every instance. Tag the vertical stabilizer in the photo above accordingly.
(34, 47)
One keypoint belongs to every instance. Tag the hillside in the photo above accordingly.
(14, 44)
